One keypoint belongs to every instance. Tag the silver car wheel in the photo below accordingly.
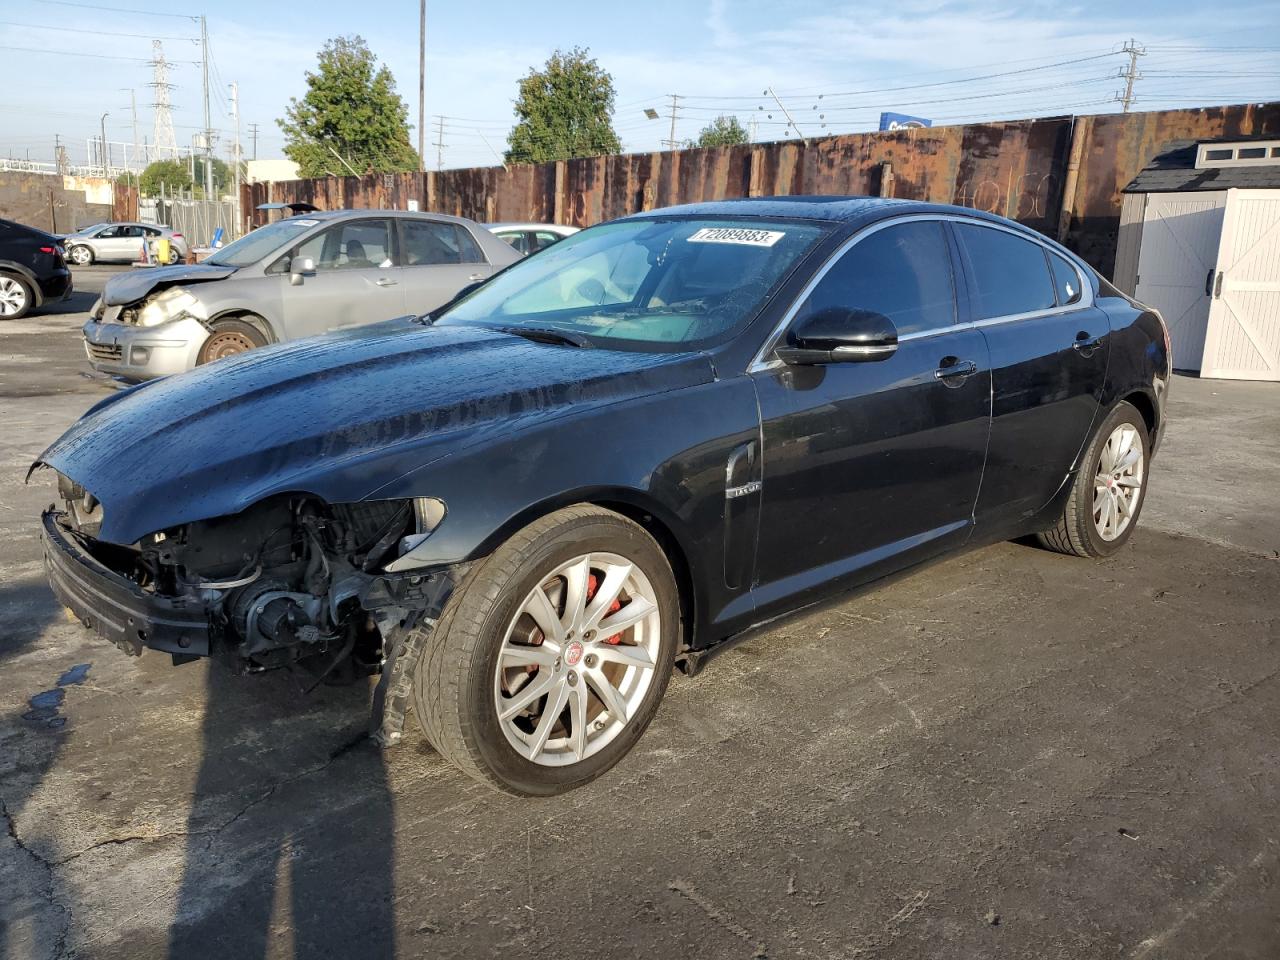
(80, 256)
(1117, 485)
(13, 297)
(577, 659)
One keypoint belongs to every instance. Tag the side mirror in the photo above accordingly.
(300, 267)
(840, 335)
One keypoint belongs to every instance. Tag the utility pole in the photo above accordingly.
(675, 105)
(422, 81)
(106, 159)
(208, 133)
(235, 155)
(1131, 74)
(440, 144)
(785, 113)
(253, 132)
(133, 111)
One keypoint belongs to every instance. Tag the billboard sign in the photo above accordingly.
(900, 121)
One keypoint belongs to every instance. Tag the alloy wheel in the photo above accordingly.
(577, 659)
(13, 297)
(1117, 485)
(79, 256)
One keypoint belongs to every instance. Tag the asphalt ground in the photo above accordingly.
(1009, 754)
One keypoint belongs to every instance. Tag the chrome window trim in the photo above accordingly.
(762, 361)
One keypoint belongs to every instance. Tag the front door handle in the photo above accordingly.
(953, 371)
(385, 282)
(1085, 345)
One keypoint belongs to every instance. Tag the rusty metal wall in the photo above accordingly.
(1017, 169)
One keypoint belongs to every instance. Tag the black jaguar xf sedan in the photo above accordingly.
(611, 460)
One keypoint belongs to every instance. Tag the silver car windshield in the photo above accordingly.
(674, 284)
(262, 242)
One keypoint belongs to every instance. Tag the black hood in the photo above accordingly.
(338, 416)
(126, 288)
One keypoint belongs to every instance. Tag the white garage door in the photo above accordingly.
(1243, 338)
(1180, 234)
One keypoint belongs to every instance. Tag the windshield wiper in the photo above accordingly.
(547, 335)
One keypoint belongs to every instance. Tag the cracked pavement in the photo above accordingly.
(1011, 753)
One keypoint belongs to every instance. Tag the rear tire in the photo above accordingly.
(230, 337)
(1108, 491)
(16, 297)
(80, 255)
(524, 709)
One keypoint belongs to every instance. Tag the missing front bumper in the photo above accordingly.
(114, 607)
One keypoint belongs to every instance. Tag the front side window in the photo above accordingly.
(686, 283)
(355, 245)
(430, 243)
(902, 271)
(1010, 273)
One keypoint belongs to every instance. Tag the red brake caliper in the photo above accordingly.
(592, 585)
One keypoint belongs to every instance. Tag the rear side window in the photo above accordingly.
(1066, 280)
(1009, 272)
(517, 239)
(430, 243)
(903, 272)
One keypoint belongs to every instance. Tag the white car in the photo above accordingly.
(121, 242)
(527, 238)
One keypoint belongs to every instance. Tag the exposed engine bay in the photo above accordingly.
(289, 582)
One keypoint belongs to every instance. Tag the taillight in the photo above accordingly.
(177, 236)
(48, 249)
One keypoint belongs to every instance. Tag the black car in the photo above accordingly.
(612, 459)
(33, 270)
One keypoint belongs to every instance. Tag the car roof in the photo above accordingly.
(528, 225)
(838, 209)
(327, 215)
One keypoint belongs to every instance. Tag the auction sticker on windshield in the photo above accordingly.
(751, 238)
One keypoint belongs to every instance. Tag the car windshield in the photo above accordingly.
(262, 242)
(666, 284)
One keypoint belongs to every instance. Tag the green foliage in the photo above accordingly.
(563, 111)
(350, 108)
(723, 131)
(172, 173)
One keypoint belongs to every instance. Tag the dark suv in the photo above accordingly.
(33, 270)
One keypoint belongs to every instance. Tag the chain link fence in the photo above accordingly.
(197, 220)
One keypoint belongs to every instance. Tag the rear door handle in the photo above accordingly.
(953, 372)
(1085, 344)
(476, 276)
(385, 282)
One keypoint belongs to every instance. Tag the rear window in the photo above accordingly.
(1010, 273)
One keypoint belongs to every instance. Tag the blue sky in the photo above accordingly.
(832, 63)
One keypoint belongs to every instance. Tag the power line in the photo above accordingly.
(94, 6)
(1131, 75)
(95, 56)
(99, 33)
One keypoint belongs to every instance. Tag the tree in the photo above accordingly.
(723, 131)
(172, 174)
(350, 109)
(563, 111)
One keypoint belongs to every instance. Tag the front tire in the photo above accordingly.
(553, 654)
(16, 297)
(1108, 491)
(228, 338)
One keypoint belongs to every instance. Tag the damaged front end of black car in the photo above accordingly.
(289, 582)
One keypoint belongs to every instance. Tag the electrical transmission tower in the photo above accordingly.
(671, 143)
(440, 144)
(166, 144)
(1130, 74)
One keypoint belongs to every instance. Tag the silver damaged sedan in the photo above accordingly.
(293, 278)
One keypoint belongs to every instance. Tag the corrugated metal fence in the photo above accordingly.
(1022, 169)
